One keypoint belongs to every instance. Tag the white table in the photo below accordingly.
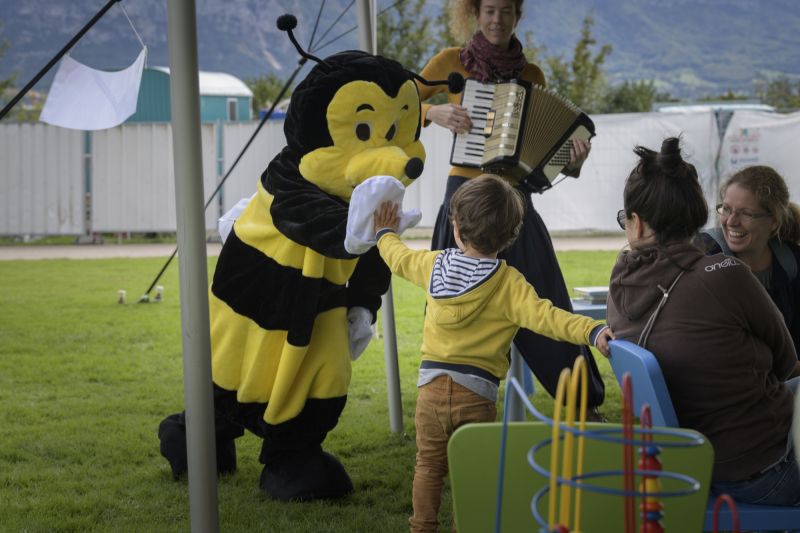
(596, 311)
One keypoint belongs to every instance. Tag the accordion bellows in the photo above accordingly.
(519, 130)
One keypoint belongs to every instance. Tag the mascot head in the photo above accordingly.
(356, 115)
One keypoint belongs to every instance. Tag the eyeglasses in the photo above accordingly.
(727, 211)
(622, 216)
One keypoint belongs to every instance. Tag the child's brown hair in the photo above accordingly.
(488, 211)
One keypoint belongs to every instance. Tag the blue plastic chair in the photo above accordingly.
(649, 387)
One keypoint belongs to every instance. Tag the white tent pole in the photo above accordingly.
(392, 367)
(367, 41)
(188, 158)
(366, 26)
(516, 407)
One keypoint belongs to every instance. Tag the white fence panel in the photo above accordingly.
(426, 193)
(42, 170)
(590, 202)
(758, 138)
(243, 180)
(133, 181)
(41, 180)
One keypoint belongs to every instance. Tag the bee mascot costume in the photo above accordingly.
(289, 304)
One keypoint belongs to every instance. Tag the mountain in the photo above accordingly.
(235, 36)
(691, 48)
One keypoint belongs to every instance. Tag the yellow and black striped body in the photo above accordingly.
(284, 282)
(279, 329)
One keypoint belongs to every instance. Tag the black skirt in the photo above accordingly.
(533, 255)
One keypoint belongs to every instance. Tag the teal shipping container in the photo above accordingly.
(223, 97)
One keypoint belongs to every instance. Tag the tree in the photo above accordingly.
(781, 93)
(28, 108)
(406, 35)
(265, 90)
(582, 80)
(630, 97)
(727, 96)
(533, 52)
(7, 84)
(444, 38)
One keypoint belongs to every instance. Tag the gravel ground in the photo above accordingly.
(98, 251)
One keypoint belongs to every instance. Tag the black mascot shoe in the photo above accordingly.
(304, 477)
(172, 434)
(226, 457)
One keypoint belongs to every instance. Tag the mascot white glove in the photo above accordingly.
(225, 222)
(366, 198)
(360, 320)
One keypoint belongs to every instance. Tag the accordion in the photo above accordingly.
(520, 130)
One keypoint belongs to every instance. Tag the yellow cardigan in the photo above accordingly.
(476, 327)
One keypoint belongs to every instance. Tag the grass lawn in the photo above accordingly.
(85, 381)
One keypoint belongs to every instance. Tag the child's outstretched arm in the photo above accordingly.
(600, 338)
(413, 265)
(386, 217)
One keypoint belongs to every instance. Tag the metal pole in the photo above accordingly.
(367, 42)
(516, 409)
(392, 367)
(366, 28)
(185, 100)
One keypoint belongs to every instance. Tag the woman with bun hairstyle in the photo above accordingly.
(492, 53)
(720, 341)
(761, 227)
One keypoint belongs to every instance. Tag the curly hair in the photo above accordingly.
(772, 194)
(464, 17)
(489, 212)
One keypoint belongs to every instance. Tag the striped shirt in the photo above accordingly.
(454, 273)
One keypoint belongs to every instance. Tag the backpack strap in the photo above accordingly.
(719, 238)
(648, 327)
(785, 257)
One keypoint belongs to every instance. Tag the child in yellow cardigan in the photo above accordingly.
(475, 305)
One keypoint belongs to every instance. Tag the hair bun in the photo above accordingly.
(670, 146)
(670, 154)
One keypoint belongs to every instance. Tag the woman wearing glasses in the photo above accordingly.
(761, 227)
(721, 343)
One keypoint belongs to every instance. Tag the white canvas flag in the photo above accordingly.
(83, 98)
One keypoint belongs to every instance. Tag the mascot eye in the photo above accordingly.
(363, 131)
(392, 132)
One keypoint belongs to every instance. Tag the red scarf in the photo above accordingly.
(486, 62)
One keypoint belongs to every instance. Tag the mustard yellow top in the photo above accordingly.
(438, 68)
(476, 327)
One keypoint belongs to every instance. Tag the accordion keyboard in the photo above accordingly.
(468, 147)
(506, 114)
